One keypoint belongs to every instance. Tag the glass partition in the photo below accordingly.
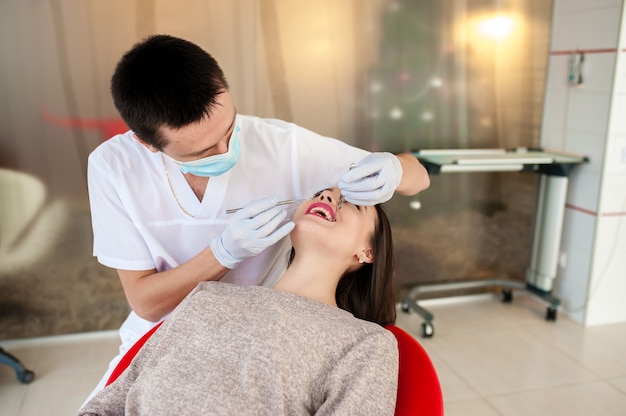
(380, 74)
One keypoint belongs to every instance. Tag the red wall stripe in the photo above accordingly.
(579, 209)
(586, 51)
(593, 213)
(614, 214)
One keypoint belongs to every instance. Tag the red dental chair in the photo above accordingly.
(419, 391)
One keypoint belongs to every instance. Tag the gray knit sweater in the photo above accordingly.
(250, 350)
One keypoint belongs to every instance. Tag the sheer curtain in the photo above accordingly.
(387, 75)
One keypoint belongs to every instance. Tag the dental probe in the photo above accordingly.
(341, 197)
(286, 202)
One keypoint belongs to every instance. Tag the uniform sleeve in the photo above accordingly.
(117, 241)
(365, 380)
(316, 153)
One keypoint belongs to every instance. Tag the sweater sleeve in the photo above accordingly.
(365, 380)
(112, 400)
(109, 401)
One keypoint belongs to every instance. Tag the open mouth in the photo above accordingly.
(321, 210)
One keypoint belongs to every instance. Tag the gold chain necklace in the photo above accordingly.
(169, 182)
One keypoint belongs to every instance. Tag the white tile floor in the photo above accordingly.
(492, 358)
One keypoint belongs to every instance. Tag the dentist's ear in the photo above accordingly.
(148, 145)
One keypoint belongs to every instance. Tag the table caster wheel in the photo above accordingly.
(507, 295)
(551, 314)
(26, 376)
(427, 330)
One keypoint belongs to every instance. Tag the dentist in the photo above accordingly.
(159, 192)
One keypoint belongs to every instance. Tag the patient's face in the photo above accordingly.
(345, 230)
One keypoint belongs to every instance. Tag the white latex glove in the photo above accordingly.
(250, 231)
(373, 180)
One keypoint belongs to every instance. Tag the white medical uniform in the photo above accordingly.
(138, 225)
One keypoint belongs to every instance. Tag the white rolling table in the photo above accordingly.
(553, 168)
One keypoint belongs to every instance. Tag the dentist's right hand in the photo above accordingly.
(250, 231)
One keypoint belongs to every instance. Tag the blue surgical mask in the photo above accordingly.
(215, 165)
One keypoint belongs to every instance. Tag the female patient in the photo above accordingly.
(303, 347)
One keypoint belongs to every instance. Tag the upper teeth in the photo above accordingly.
(323, 212)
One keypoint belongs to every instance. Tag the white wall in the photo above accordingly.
(591, 120)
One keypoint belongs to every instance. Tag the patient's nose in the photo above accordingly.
(329, 197)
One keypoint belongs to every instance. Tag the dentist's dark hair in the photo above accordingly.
(165, 81)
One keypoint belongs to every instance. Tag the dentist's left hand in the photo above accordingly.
(250, 231)
(373, 180)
